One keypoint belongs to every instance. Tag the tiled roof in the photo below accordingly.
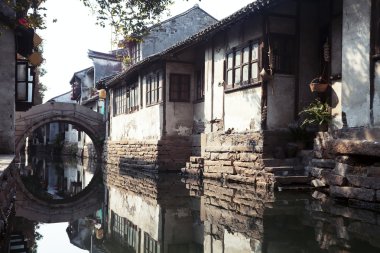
(251, 8)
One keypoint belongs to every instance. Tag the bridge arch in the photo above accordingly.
(86, 201)
(91, 122)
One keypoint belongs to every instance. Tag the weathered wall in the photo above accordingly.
(355, 67)
(7, 88)
(179, 115)
(176, 29)
(243, 110)
(218, 105)
(140, 125)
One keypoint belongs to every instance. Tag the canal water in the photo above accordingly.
(148, 212)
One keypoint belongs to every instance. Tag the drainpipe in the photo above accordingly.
(164, 99)
(212, 85)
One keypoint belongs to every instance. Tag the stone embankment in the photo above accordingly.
(170, 153)
(348, 163)
(248, 158)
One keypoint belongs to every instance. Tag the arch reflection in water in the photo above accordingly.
(56, 177)
(45, 194)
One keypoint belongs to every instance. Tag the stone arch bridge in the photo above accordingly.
(85, 202)
(89, 121)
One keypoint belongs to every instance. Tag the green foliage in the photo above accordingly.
(317, 113)
(31, 11)
(128, 17)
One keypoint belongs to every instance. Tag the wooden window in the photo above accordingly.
(153, 88)
(179, 90)
(24, 82)
(132, 98)
(283, 53)
(200, 87)
(150, 245)
(135, 52)
(119, 100)
(242, 66)
(126, 99)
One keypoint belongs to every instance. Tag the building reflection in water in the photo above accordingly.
(146, 212)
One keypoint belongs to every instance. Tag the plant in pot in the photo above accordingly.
(317, 114)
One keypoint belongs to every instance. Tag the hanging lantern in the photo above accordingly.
(36, 40)
(102, 94)
(35, 58)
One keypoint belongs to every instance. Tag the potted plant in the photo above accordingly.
(317, 114)
(318, 84)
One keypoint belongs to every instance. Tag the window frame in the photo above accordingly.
(199, 85)
(153, 93)
(232, 70)
(149, 241)
(289, 56)
(180, 88)
(126, 99)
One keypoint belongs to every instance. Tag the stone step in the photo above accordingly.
(300, 187)
(273, 162)
(287, 180)
(280, 168)
(290, 172)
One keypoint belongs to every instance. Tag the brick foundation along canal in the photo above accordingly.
(141, 211)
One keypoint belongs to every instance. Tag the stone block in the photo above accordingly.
(333, 179)
(342, 169)
(378, 196)
(355, 147)
(315, 172)
(373, 171)
(319, 195)
(317, 183)
(352, 192)
(323, 163)
(218, 163)
(244, 164)
(366, 182)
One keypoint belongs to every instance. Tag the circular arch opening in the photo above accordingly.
(83, 119)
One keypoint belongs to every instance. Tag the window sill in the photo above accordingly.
(153, 104)
(243, 87)
(198, 101)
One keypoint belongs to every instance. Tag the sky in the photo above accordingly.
(67, 41)
(55, 239)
